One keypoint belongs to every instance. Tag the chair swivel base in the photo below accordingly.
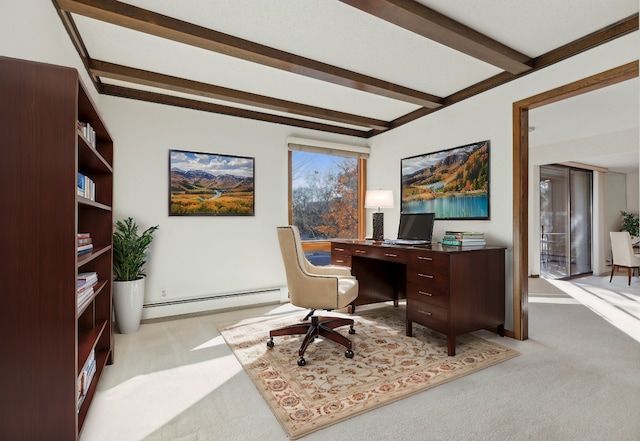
(319, 326)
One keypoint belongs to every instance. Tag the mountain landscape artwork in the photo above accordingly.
(453, 183)
(210, 184)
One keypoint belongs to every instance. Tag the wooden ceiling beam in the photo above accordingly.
(597, 38)
(415, 17)
(158, 98)
(144, 77)
(142, 20)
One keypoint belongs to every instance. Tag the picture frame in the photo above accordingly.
(211, 184)
(452, 183)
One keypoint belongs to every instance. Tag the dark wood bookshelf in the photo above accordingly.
(47, 337)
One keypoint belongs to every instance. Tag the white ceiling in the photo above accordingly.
(603, 111)
(339, 35)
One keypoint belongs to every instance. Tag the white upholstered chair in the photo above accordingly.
(623, 255)
(315, 287)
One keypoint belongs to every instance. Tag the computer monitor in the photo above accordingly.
(416, 226)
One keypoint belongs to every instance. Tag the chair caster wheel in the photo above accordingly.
(270, 344)
(301, 361)
(352, 331)
(348, 353)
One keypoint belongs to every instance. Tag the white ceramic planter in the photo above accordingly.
(128, 298)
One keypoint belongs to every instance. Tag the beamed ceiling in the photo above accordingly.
(354, 67)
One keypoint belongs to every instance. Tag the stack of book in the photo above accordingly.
(463, 239)
(84, 378)
(86, 282)
(86, 187)
(84, 243)
(87, 132)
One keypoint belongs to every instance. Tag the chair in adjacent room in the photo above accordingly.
(623, 255)
(315, 287)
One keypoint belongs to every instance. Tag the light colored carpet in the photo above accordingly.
(387, 366)
(577, 379)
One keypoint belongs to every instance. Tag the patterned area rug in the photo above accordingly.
(387, 366)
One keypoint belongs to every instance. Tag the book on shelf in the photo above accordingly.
(84, 249)
(84, 378)
(84, 296)
(86, 187)
(84, 241)
(88, 133)
(87, 279)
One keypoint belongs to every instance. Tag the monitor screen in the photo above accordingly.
(416, 226)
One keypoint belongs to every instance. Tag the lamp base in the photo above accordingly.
(378, 226)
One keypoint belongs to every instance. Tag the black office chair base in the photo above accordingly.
(319, 327)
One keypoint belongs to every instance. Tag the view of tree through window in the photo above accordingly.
(324, 195)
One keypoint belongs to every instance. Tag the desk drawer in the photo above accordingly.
(343, 249)
(381, 253)
(433, 295)
(429, 258)
(428, 275)
(431, 316)
(340, 259)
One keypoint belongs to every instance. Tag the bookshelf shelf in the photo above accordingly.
(48, 338)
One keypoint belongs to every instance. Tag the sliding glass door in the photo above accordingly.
(565, 221)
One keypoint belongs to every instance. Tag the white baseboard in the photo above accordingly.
(214, 302)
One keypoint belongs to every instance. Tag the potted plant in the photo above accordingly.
(129, 257)
(630, 223)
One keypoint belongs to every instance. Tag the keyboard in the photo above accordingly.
(406, 242)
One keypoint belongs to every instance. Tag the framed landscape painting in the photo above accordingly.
(453, 183)
(210, 184)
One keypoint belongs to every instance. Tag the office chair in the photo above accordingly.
(314, 287)
(623, 255)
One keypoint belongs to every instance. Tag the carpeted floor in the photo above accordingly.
(576, 379)
(387, 366)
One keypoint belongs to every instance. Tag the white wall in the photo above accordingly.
(486, 116)
(190, 256)
(199, 256)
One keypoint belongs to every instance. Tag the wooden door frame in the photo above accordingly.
(521, 179)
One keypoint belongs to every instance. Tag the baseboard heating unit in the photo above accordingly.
(214, 302)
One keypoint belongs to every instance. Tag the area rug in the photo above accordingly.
(387, 366)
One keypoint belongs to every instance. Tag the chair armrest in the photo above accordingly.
(330, 270)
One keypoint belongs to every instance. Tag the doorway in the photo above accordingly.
(521, 179)
(566, 195)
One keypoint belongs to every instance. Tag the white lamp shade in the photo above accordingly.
(378, 199)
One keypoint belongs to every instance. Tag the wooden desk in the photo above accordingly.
(449, 289)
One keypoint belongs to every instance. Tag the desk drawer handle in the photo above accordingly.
(424, 258)
(340, 261)
(425, 293)
(424, 312)
(339, 249)
(390, 255)
(361, 252)
(428, 276)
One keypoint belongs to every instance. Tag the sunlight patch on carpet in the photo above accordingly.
(387, 366)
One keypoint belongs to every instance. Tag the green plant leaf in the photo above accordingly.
(130, 249)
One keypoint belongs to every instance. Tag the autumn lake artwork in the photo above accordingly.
(211, 184)
(453, 183)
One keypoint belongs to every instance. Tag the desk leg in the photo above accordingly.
(409, 328)
(451, 345)
(501, 330)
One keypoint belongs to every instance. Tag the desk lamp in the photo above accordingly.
(378, 199)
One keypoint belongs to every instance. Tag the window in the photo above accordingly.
(325, 197)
